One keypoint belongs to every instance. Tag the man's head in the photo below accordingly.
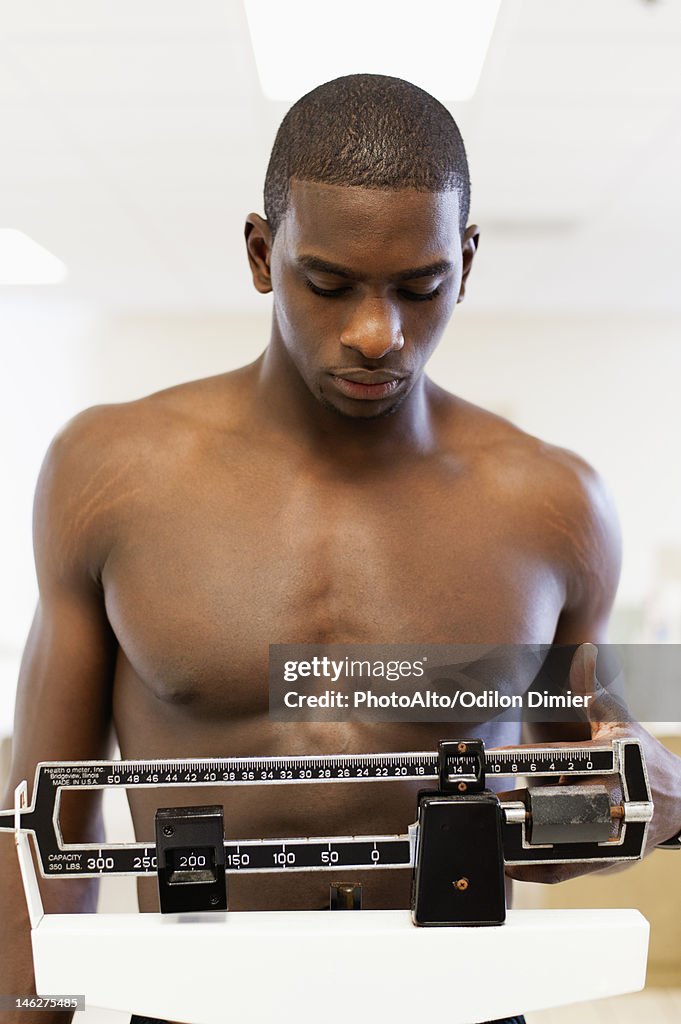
(365, 244)
(369, 131)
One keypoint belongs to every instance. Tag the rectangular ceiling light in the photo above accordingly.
(23, 261)
(441, 46)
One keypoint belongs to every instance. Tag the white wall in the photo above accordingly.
(605, 386)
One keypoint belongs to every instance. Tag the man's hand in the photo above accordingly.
(608, 721)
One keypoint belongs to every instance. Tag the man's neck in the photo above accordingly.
(285, 404)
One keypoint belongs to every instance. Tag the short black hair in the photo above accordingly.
(373, 131)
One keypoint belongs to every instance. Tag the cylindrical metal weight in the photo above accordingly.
(568, 814)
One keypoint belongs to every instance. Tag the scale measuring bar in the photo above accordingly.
(58, 859)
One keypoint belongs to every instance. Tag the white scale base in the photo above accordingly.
(335, 966)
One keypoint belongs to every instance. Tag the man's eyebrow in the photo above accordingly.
(309, 262)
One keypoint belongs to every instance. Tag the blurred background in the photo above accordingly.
(135, 137)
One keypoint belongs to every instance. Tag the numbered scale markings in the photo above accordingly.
(308, 854)
(342, 768)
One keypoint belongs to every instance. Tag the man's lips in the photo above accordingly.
(367, 384)
(368, 376)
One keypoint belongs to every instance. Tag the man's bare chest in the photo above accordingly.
(204, 577)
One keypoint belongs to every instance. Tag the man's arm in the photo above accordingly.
(592, 534)
(590, 554)
(63, 709)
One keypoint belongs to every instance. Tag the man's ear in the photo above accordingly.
(469, 246)
(259, 250)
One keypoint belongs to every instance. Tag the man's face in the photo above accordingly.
(364, 283)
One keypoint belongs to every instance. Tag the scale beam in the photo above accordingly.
(323, 853)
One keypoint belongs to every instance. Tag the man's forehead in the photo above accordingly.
(339, 220)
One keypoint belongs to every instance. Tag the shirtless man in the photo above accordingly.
(328, 492)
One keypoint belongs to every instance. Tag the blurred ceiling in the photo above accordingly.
(134, 139)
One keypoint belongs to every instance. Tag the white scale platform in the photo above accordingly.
(307, 966)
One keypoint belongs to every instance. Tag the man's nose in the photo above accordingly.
(374, 330)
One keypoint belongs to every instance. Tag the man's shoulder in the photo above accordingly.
(516, 459)
(553, 501)
(107, 458)
(557, 493)
(151, 426)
